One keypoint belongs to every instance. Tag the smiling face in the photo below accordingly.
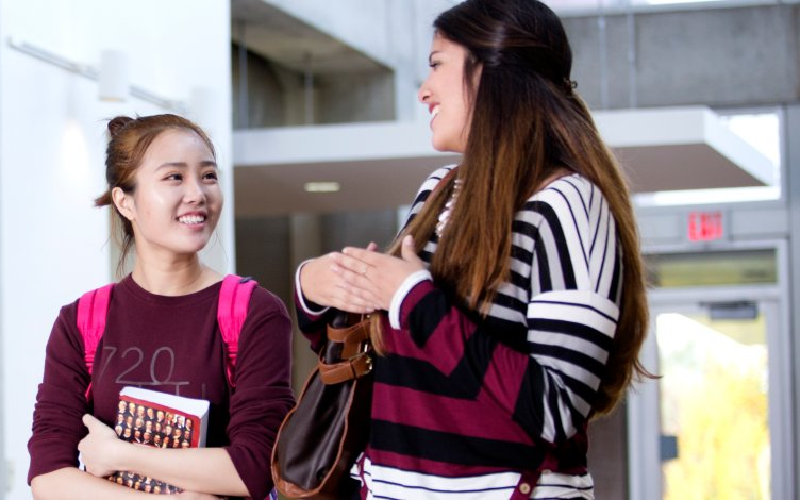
(445, 94)
(176, 204)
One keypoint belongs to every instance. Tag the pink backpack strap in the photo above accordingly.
(92, 311)
(234, 299)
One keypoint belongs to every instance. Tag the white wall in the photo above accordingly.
(53, 244)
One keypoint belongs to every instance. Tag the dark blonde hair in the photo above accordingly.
(129, 140)
(527, 121)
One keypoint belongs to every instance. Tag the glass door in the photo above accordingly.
(715, 424)
(714, 437)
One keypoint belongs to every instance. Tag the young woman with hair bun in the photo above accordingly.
(511, 308)
(162, 333)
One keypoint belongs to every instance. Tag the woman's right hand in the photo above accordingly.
(322, 282)
(100, 449)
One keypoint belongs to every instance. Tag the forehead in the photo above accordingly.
(443, 44)
(176, 145)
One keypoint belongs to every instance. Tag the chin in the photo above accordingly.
(447, 145)
(442, 146)
(194, 247)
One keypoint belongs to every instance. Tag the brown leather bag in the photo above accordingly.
(321, 437)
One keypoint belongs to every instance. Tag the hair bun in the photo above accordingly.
(118, 123)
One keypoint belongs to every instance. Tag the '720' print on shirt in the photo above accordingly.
(134, 357)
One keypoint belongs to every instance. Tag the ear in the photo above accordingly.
(124, 203)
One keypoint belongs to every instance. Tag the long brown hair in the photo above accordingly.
(129, 140)
(527, 121)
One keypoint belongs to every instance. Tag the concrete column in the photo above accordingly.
(401, 21)
(304, 243)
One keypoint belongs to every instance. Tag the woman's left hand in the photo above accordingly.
(100, 448)
(377, 276)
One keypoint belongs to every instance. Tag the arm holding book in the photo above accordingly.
(57, 425)
(198, 469)
(70, 483)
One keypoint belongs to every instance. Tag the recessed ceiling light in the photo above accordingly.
(321, 187)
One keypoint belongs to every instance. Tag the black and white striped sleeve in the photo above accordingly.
(573, 310)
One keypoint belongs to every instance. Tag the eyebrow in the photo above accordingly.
(181, 164)
(430, 57)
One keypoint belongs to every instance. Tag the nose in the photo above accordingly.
(194, 191)
(424, 93)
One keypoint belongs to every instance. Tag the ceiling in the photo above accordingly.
(269, 31)
(380, 165)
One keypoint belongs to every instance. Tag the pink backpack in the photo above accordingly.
(234, 298)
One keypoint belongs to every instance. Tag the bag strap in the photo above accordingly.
(234, 299)
(348, 354)
(92, 312)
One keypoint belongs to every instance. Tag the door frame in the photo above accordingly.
(645, 476)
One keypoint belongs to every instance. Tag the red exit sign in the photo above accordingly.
(705, 226)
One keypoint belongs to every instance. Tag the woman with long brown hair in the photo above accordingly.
(511, 309)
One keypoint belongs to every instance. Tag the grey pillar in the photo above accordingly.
(305, 243)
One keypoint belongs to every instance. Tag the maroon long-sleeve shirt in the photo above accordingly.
(171, 344)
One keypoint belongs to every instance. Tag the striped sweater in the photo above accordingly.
(473, 410)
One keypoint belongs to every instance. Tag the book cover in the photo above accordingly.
(153, 418)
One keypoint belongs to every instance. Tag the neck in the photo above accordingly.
(176, 277)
